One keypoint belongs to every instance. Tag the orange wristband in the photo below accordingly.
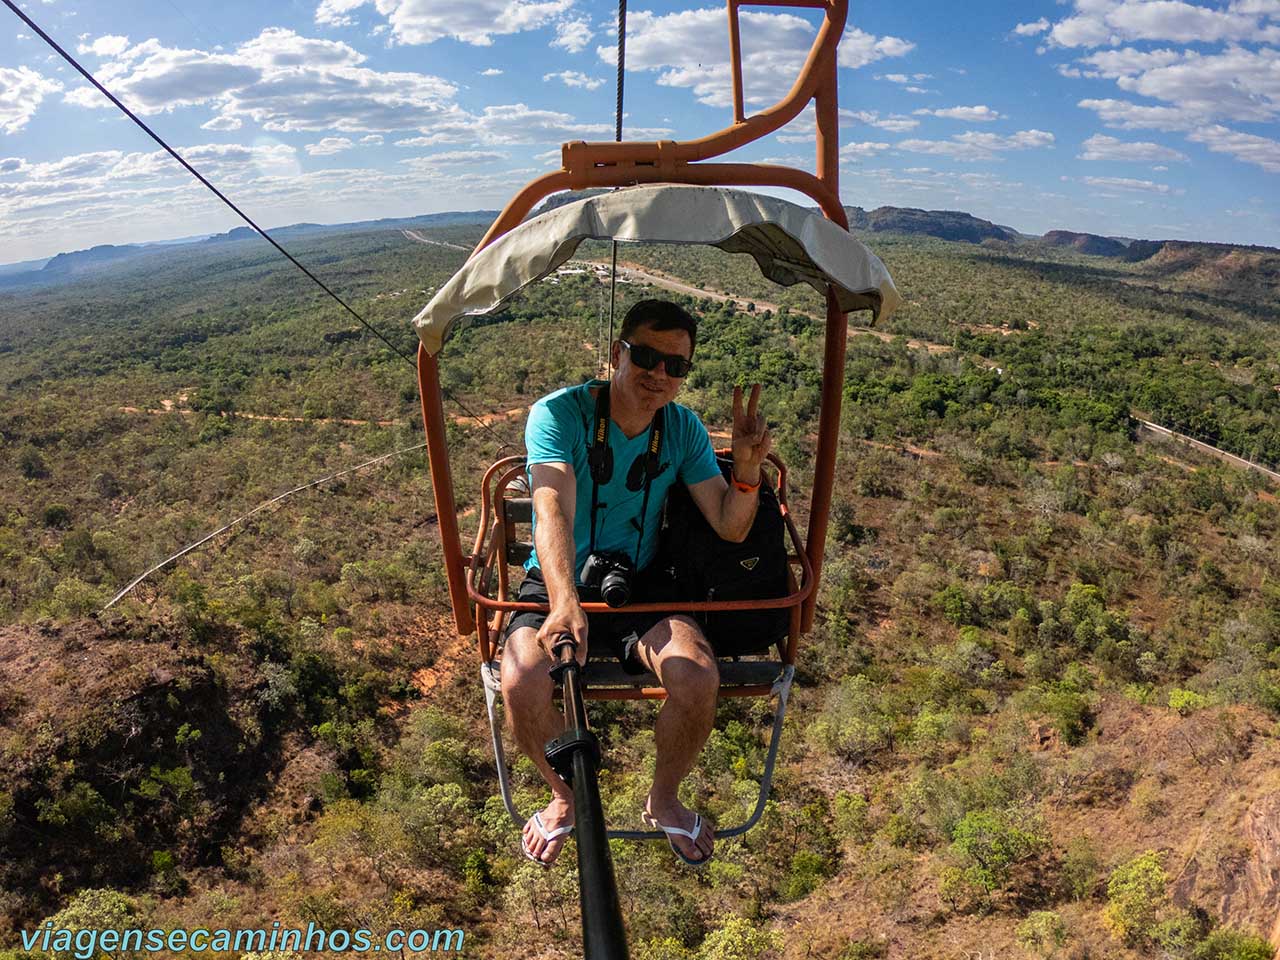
(744, 487)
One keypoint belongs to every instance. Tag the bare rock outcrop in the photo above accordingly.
(1243, 885)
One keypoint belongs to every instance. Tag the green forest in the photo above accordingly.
(1038, 716)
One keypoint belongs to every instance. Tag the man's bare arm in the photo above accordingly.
(729, 510)
(554, 503)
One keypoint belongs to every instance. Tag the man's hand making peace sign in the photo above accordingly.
(751, 440)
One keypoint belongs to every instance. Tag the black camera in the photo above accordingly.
(610, 574)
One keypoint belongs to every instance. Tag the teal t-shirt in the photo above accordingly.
(557, 432)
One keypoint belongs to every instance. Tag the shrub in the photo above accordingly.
(664, 948)
(958, 889)
(92, 910)
(1021, 633)
(808, 870)
(851, 813)
(1186, 701)
(1148, 800)
(864, 950)
(73, 598)
(992, 845)
(1137, 898)
(739, 940)
(57, 515)
(955, 605)
(1080, 868)
(1043, 931)
(931, 731)
(1069, 713)
(32, 464)
(1228, 944)
(852, 723)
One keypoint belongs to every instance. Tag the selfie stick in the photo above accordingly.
(575, 756)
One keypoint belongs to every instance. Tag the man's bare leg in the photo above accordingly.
(526, 696)
(680, 656)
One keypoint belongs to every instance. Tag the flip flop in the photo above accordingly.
(547, 835)
(692, 835)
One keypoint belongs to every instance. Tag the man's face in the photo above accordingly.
(650, 389)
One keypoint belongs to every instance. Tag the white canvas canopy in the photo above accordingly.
(791, 244)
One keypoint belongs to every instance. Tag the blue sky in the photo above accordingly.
(1144, 118)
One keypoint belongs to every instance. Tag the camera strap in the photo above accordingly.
(600, 461)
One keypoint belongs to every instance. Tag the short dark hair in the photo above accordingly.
(660, 315)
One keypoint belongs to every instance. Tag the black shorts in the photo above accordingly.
(608, 634)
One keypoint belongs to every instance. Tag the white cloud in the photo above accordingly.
(1181, 22)
(21, 91)
(372, 139)
(1192, 90)
(491, 72)
(980, 113)
(111, 197)
(1127, 61)
(280, 80)
(150, 78)
(1124, 115)
(1238, 84)
(334, 13)
(469, 21)
(1125, 183)
(804, 128)
(1110, 22)
(454, 158)
(903, 78)
(689, 49)
(1102, 147)
(573, 35)
(918, 90)
(516, 123)
(277, 47)
(974, 145)
(89, 174)
(895, 123)
(329, 146)
(861, 151)
(1081, 31)
(1245, 147)
(859, 48)
(574, 78)
(223, 123)
(1031, 29)
(1267, 8)
(110, 45)
(790, 160)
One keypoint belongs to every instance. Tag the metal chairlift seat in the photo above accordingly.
(791, 244)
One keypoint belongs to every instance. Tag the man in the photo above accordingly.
(651, 358)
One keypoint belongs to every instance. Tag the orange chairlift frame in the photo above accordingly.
(627, 163)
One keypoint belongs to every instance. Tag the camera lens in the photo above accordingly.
(615, 589)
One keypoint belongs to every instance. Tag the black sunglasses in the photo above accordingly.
(647, 358)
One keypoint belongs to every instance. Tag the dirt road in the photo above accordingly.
(633, 272)
(415, 235)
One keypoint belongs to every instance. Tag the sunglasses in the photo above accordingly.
(647, 358)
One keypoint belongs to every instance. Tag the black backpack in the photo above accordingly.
(694, 563)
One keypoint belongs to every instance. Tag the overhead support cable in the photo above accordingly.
(262, 506)
(617, 136)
